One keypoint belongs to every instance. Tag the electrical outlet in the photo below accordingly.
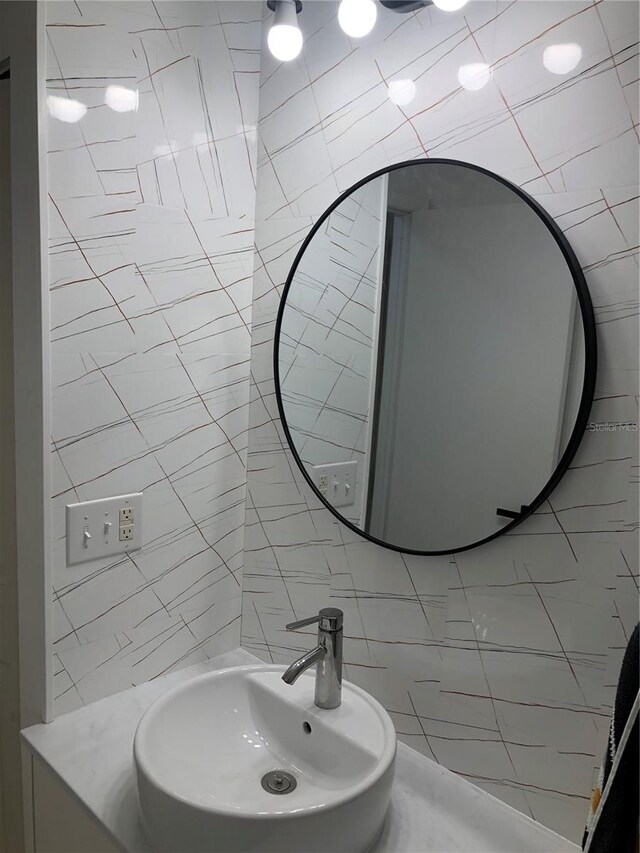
(105, 527)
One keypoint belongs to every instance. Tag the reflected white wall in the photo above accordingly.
(328, 338)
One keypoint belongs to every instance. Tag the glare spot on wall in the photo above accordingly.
(401, 92)
(121, 99)
(65, 109)
(474, 76)
(561, 58)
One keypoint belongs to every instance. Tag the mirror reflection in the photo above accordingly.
(431, 356)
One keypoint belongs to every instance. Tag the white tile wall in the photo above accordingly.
(498, 662)
(151, 253)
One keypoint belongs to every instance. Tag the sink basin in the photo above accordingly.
(204, 751)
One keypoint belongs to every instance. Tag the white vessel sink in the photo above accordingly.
(202, 750)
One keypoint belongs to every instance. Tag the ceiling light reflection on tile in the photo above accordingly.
(561, 58)
(474, 76)
(65, 109)
(165, 150)
(450, 5)
(121, 99)
(401, 92)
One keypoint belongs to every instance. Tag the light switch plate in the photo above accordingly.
(104, 527)
(336, 482)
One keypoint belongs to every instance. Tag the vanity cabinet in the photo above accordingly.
(58, 823)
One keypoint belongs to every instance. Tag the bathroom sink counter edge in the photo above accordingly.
(432, 809)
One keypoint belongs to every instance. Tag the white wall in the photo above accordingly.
(150, 247)
(24, 577)
(21, 39)
(480, 386)
(499, 662)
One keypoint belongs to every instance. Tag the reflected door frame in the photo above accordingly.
(397, 246)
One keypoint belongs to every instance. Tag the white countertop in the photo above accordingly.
(432, 809)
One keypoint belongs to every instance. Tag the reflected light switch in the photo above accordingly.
(336, 482)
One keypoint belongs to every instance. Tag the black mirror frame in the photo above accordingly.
(590, 365)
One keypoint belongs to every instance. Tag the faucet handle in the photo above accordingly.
(330, 619)
(302, 623)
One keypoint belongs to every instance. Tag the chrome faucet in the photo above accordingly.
(327, 656)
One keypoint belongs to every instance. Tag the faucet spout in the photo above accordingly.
(327, 655)
(292, 673)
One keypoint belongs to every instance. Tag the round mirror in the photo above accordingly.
(435, 356)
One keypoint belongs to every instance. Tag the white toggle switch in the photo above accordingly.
(116, 524)
(336, 482)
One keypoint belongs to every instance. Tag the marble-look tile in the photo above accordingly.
(182, 419)
(196, 273)
(499, 662)
(151, 229)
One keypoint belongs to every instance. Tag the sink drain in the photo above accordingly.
(278, 782)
